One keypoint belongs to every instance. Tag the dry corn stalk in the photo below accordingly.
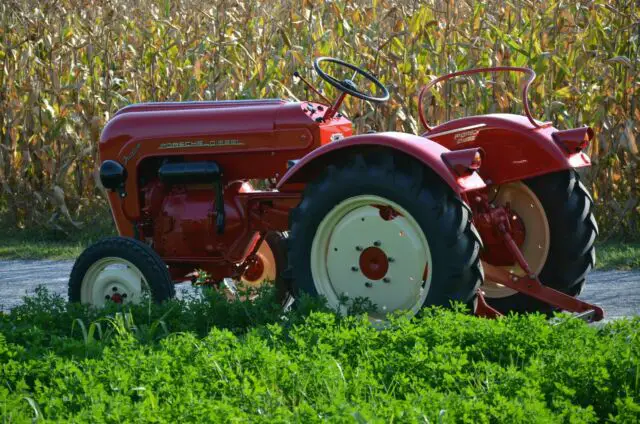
(68, 65)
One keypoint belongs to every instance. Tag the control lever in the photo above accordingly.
(297, 75)
(220, 216)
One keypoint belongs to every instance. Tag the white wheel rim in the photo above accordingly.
(109, 277)
(354, 225)
(266, 256)
(535, 248)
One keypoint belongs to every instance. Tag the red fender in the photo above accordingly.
(425, 151)
(514, 148)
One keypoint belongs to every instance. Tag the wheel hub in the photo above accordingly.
(529, 229)
(112, 279)
(495, 251)
(263, 267)
(255, 270)
(116, 298)
(374, 263)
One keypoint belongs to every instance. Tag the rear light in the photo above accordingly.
(464, 162)
(573, 141)
(476, 162)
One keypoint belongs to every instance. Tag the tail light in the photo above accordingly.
(573, 141)
(464, 162)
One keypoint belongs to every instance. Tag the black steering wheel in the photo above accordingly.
(347, 85)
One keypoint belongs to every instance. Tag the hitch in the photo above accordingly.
(534, 288)
(482, 308)
(241, 268)
(529, 284)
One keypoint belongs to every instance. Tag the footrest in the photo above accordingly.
(482, 308)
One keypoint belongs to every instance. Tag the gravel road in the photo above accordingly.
(618, 292)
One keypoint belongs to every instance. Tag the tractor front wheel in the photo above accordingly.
(386, 228)
(119, 270)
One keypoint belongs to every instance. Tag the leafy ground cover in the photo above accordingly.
(214, 360)
(613, 255)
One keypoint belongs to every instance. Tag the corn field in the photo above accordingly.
(68, 65)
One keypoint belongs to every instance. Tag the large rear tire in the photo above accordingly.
(384, 227)
(572, 230)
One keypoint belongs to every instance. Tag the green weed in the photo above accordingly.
(614, 255)
(213, 360)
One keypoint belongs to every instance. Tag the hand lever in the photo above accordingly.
(297, 75)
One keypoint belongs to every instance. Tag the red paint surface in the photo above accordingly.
(426, 151)
(513, 148)
(517, 147)
(488, 221)
(373, 263)
(255, 139)
(255, 270)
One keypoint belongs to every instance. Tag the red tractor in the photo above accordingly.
(406, 221)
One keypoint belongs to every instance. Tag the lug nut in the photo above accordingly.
(377, 243)
(368, 284)
(107, 297)
(391, 259)
(124, 295)
(386, 280)
(115, 289)
(354, 268)
(359, 248)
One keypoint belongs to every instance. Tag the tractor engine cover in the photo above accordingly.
(184, 219)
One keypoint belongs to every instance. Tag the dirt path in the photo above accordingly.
(618, 292)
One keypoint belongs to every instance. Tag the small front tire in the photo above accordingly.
(120, 270)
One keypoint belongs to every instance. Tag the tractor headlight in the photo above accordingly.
(112, 175)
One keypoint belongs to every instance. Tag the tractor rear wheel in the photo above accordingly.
(119, 270)
(557, 213)
(384, 227)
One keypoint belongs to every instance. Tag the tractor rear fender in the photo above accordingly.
(433, 155)
(514, 148)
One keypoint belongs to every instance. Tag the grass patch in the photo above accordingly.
(43, 243)
(18, 248)
(615, 255)
(248, 362)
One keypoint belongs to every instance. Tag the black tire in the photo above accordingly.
(443, 217)
(139, 254)
(573, 230)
